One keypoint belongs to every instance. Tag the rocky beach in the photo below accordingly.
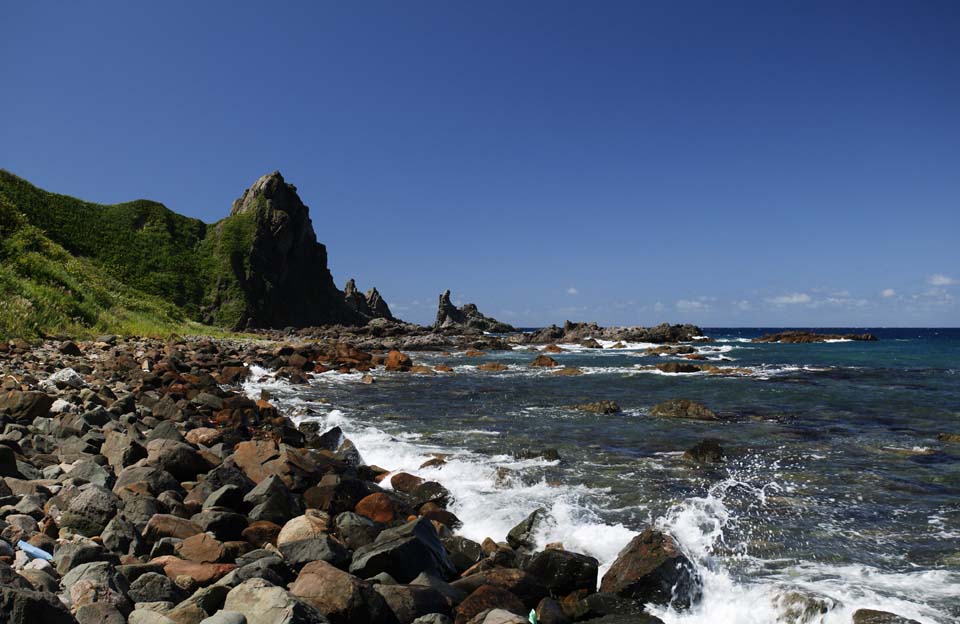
(218, 481)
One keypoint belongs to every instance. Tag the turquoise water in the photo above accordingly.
(835, 486)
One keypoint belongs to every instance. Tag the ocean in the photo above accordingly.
(835, 494)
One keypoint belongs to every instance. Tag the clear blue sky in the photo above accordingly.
(775, 163)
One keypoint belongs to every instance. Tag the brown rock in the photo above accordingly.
(443, 368)
(202, 573)
(397, 361)
(378, 507)
(262, 532)
(552, 348)
(261, 458)
(233, 374)
(167, 525)
(405, 482)
(493, 367)
(543, 361)
(204, 436)
(683, 408)
(677, 367)
(311, 525)
(422, 370)
(202, 548)
(340, 596)
(487, 597)
(651, 568)
(474, 353)
(569, 371)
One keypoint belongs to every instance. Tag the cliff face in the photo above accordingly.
(267, 267)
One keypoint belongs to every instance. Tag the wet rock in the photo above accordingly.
(563, 572)
(522, 536)
(683, 408)
(463, 552)
(524, 586)
(336, 494)
(870, 616)
(706, 451)
(543, 361)
(397, 361)
(599, 407)
(677, 367)
(379, 507)
(651, 568)
(493, 367)
(404, 552)
(799, 336)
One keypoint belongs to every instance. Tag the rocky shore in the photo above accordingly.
(140, 484)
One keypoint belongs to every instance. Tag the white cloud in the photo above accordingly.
(658, 306)
(743, 305)
(939, 279)
(691, 304)
(888, 292)
(573, 291)
(790, 299)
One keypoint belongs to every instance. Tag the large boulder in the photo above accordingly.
(261, 602)
(341, 597)
(651, 568)
(90, 511)
(25, 406)
(404, 552)
(22, 606)
(485, 598)
(408, 602)
(563, 572)
(871, 616)
(259, 459)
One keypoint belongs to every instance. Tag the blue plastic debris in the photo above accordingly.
(33, 551)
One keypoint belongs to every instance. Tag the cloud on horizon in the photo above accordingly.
(939, 279)
(790, 299)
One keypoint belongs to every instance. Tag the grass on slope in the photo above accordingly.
(142, 243)
(46, 290)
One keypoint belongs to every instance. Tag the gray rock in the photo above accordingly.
(225, 617)
(263, 603)
(90, 511)
(154, 587)
(404, 552)
(23, 606)
(322, 548)
(522, 536)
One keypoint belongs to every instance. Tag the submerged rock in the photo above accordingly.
(870, 616)
(683, 408)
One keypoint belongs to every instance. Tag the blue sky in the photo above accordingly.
(624, 162)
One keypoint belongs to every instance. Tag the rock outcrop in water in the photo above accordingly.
(466, 318)
(584, 333)
(271, 271)
(796, 336)
(370, 306)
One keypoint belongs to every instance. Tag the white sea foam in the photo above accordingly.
(490, 502)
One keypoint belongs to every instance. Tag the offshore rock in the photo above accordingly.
(466, 318)
(795, 336)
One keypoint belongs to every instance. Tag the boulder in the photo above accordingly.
(675, 368)
(485, 598)
(153, 587)
(397, 361)
(683, 408)
(341, 597)
(543, 361)
(522, 536)
(322, 548)
(260, 602)
(563, 572)
(202, 548)
(90, 511)
(404, 552)
(259, 459)
(201, 573)
(312, 525)
(378, 507)
(408, 602)
(651, 568)
(27, 406)
(178, 458)
(871, 616)
(166, 525)
(23, 606)
(599, 407)
(706, 451)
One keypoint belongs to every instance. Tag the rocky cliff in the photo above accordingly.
(371, 305)
(466, 318)
(268, 268)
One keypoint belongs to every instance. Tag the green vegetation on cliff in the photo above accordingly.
(141, 243)
(225, 261)
(45, 289)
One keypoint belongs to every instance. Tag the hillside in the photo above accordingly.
(71, 265)
(45, 289)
